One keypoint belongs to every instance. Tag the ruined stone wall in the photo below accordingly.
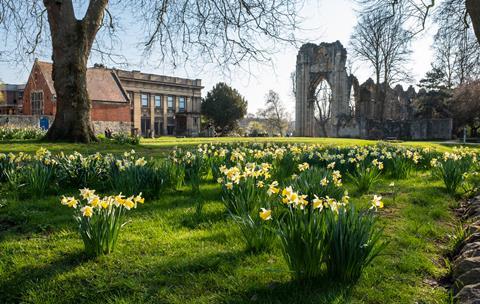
(316, 63)
(380, 111)
(380, 103)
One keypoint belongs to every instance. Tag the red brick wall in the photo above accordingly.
(36, 82)
(102, 111)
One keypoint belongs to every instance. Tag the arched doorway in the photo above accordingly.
(322, 99)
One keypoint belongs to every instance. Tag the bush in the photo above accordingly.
(258, 234)
(400, 167)
(451, 169)
(138, 177)
(76, 170)
(39, 178)
(320, 182)
(124, 138)
(243, 192)
(364, 176)
(9, 133)
(353, 242)
(100, 219)
(327, 239)
(303, 236)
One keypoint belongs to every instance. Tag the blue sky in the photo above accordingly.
(326, 21)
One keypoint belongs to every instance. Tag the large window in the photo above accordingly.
(158, 101)
(144, 99)
(37, 103)
(145, 126)
(181, 104)
(170, 102)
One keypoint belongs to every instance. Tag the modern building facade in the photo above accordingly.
(11, 99)
(162, 105)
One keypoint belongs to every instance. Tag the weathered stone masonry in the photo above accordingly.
(371, 118)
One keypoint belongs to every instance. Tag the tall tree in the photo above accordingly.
(224, 31)
(465, 106)
(224, 107)
(380, 40)
(432, 100)
(455, 46)
(274, 113)
(418, 11)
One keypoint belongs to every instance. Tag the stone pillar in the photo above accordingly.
(152, 113)
(165, 113)
(137, 112)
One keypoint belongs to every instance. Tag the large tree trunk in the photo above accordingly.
(473, 9)
(72, 41)
(72, 118)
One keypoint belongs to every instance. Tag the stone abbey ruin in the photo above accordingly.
(368, 110)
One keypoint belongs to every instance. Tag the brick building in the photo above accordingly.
(163, 105)
(11, 99)
(110, 103)
(128, 101)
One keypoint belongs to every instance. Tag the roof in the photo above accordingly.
(102, 84)
(138, 76)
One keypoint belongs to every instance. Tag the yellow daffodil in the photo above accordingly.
(70, 202)
(303, 167)
(86, 193)
(377, 202)
(272, 189)
(87, 211)
(139, 199)
(265, 214)
(317, 203)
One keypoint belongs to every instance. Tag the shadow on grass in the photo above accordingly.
(293, 292)
(17, 283)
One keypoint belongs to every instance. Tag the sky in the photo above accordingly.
(324, 21)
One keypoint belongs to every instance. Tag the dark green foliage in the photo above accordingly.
(132, 180)
(284, 167)
(224, 106)
(354, 241)
(258, 234)
(39, 179)
(400, 167)
(303, 235)
(309, 182)
(451, 172)
(364, 177)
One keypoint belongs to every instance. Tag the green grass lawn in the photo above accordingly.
(163, 145)
(167, 255)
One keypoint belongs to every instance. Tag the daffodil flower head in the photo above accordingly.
(265, 214)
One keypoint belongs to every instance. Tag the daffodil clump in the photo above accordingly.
(100, 218)
(10, 132)
(324, 238)
(454, 168)
(244, 188)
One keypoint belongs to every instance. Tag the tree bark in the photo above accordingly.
(473, 9)
(72, 41)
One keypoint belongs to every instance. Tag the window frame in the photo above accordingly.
(160, 105)
(171, 102)
(148, 100)
(180, 99)
(36, 102)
